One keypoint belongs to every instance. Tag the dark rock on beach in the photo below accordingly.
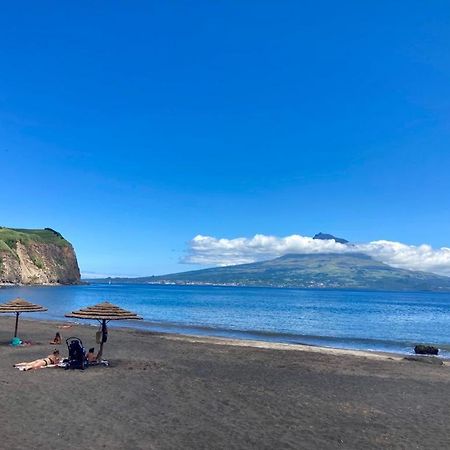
(423, 349)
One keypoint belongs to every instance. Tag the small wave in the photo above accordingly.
(349, 343)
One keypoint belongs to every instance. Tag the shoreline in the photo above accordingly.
(346, 335)
(254, 338)
(225, 341)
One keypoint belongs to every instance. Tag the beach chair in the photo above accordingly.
(77, 354)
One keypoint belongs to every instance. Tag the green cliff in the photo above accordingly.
(36, 257)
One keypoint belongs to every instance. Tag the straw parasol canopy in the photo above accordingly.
(19, 305)
(103, 312)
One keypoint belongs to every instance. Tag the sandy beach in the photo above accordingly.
(177, 392)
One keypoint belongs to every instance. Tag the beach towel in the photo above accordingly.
(21, 367)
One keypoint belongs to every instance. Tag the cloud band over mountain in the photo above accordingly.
(212, 251)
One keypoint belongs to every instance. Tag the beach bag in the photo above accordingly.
(98, 337)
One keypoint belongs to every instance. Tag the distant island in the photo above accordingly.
(307, 271)
(36, 257)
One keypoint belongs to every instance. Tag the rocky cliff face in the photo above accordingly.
(36, 257)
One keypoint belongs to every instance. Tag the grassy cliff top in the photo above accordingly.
(9, 237)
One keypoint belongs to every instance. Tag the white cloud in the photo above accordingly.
(208, 250)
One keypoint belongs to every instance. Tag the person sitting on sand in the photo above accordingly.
(90, 357)
(52, 359)
(57, 339)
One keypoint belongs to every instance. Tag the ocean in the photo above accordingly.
(374, 321)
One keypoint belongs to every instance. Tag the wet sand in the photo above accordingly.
(174, 392)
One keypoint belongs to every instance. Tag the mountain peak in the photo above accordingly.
(326, 237)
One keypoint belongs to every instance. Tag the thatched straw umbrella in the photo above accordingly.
(103, 312)
(19, 305)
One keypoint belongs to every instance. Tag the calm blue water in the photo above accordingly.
(392, 322)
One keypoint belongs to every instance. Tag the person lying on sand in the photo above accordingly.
(52, 359)
(57, 339)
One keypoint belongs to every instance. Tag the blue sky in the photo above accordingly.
(132, 128)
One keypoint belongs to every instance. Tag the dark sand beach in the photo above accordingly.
(172, 392)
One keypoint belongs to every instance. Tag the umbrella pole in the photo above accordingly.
(100, 352)
(17, 323)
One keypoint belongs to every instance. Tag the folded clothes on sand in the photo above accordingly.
(103, 362)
